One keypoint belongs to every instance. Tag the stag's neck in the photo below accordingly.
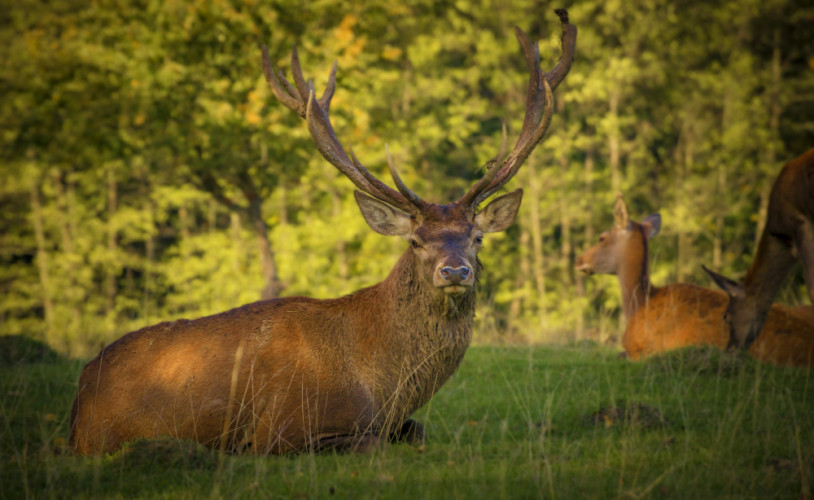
(634, 278)
(425, 334)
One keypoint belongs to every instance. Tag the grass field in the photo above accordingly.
(514, 422)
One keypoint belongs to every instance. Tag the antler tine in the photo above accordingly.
(299, 97)
(287, 97)
(326, 142)
(539, 110)
(492, 167)
(328, 93)
(410, 207)
(403, 189)
(569, 46)
(525, 145)
(296, 73)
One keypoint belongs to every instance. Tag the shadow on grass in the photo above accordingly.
(20, 349)
(703, 361)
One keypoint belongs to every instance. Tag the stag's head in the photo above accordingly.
(444, 239)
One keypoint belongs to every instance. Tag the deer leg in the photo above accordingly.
(805, 250)
(411, 432)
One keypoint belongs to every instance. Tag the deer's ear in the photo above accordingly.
(383, 218)
(732, 288)
(651, 225)
(500, 213)
(620, 215)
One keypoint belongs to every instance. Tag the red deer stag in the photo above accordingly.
(789, 230)
(299, 374)
(664, 318)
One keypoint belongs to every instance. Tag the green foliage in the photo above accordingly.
(144, 159)
(514, 422)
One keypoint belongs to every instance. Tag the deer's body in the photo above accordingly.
(309, 370)
(664, 318)
(681, 315)
(297, 374)
(788, 235)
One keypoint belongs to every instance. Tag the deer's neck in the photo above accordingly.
(766, 274)
(634, 278)
(425, 317)
(426, 336)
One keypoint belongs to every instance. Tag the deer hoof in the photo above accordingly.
(411, 432)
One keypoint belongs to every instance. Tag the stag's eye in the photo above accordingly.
(415, 244)
(479, 240)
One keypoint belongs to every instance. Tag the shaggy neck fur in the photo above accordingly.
(429, 332)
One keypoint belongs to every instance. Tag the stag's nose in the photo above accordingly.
(455, 275)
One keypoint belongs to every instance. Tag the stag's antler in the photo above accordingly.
(539, 109)
(299, 97)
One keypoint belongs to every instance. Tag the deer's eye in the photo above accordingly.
(415, 244)
(479, 240)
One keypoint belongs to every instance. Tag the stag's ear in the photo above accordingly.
(620, 216)
(651, 225)
(732, 288)
(500, 213)
(383, 218)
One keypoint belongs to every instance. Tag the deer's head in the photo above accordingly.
(445, 239)
(625, 242)
(742, 314)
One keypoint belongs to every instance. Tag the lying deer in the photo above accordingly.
(300, 374)
(664, 318)
(789, 230)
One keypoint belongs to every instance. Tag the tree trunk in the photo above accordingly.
(684, 240)
(613, 142)
(64, 212)
(236, 228)
(283, 207)
(110, 279)
(519, 302)
(536, 233)
(42, 257)
(589, 232)
(770, 159)
(341, 254)
(720, 207)
(149, 250)
(272, 286)
(212, 215)
(566, 206)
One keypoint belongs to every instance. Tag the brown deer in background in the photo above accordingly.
(789, 230)
(296, 373)
(664, 318)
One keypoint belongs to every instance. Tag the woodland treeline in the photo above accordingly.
(149, 174)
